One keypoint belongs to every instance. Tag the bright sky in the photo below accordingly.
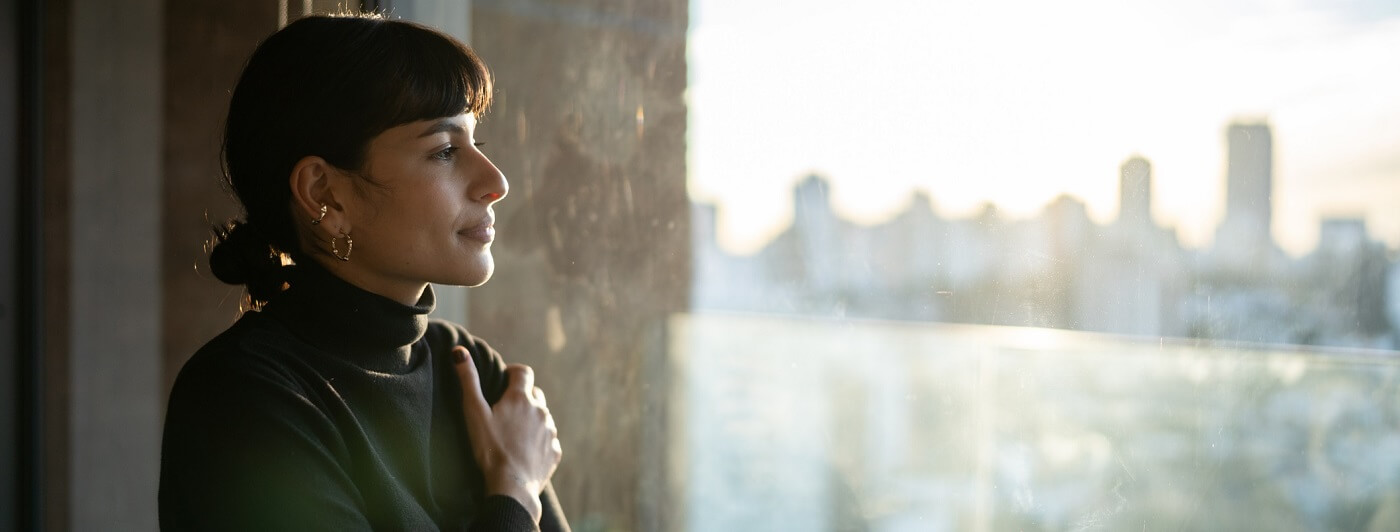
(1018, 101)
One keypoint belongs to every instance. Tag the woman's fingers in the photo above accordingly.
(515, 440)
(474, 405)
(522, 379)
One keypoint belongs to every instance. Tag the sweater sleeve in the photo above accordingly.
(246, 449)
(501, 513)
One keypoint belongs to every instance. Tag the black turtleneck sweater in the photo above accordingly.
(332, 408)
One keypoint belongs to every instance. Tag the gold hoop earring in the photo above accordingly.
(349, 246)
(318, 219)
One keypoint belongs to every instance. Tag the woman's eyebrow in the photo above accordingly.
(443, 126)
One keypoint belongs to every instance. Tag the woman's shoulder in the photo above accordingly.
(252, 379)
(254, 348)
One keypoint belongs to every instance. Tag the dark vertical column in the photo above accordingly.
(53, 268)
(593, 249)
(15, 356)
(206, 45)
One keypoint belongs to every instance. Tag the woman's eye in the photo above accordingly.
(446, 154)
(478, 144)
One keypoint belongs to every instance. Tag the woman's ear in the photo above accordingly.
(314, 194)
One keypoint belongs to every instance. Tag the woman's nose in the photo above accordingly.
(491, 185)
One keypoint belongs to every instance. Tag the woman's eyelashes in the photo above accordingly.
(446, 154)
(450, 152)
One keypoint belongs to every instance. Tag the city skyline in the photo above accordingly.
(1062, 270)
(1142, 214)
(1017, 104)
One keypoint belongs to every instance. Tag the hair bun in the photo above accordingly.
(242, 255)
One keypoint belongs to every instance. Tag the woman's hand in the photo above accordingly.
(515, 441)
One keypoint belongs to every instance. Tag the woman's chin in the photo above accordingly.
(480, 272)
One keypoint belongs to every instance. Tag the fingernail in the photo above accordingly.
(459, 355)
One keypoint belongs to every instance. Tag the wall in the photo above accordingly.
(207, 42)
(114, 360)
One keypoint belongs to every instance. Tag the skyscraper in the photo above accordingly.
(1245, 238)
(1135, 194)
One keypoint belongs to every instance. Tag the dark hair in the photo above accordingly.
(325, 86)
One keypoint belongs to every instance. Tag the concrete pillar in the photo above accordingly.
(593, 242)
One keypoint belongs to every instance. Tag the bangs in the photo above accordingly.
(327, 85)
(412, 72)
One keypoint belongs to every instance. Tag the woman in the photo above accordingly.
(338, 405)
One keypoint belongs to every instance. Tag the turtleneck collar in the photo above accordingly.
(372, 331)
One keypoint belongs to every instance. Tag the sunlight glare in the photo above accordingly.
(1018, 102)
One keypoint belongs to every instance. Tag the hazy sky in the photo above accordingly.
(1018, 101)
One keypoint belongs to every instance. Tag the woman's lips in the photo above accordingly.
(484, 232)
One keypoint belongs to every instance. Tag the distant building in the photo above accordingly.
(1350, 270)
(1135, 194)
(817, 233)
(1342, 236)
(1244, 240)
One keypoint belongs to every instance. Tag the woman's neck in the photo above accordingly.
(403, 291)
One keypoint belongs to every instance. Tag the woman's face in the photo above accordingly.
(427, 217)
